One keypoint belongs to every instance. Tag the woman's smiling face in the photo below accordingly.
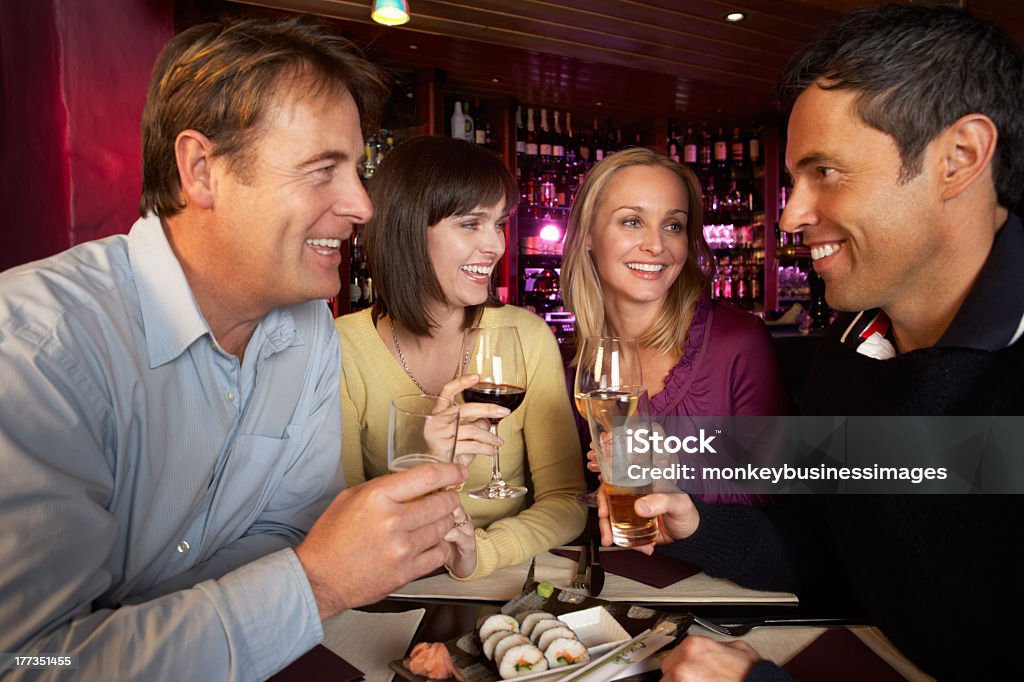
(638, 238)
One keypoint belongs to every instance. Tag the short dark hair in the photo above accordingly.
(219, 78)
(917, 70)
(421, 182)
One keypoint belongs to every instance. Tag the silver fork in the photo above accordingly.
(582, 579)
(740, 629)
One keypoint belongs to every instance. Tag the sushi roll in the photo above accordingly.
(521, 616)
(507, 643)
(554, 633)
(523, 659)
(488, 625)
(529, 621)
(493, 640)
(565, 651)
(543, 626)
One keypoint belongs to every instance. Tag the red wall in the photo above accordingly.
(73, 78)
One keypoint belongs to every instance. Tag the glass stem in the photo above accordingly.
(496, 478)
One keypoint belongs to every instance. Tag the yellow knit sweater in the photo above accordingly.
(540, 439)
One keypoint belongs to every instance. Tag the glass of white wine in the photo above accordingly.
(421, 429)
(606, 363)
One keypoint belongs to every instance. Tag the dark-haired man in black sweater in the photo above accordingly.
(905, 147)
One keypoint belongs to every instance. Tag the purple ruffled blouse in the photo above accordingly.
(728, 368)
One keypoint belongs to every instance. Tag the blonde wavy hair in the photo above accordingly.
(581, 286)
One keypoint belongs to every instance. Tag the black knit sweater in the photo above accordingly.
(930, 571)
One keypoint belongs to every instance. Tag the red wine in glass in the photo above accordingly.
(496, 355)
(505, 395)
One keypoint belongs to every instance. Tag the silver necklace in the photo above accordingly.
(398, 347)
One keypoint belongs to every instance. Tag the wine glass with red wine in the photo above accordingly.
(496, 355)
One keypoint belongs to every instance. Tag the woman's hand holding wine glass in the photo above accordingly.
(475, 435)
(496, 356)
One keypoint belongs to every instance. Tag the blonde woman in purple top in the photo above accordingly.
(637, 265)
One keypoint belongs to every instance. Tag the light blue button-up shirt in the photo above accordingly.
(151, 487)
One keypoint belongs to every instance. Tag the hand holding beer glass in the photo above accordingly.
(423, 429)
(625, 459)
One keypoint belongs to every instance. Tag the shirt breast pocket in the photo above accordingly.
(252, 479)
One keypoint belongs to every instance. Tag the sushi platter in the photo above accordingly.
(550, 634)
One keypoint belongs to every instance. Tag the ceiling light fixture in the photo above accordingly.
(735, 16)
(390, 12)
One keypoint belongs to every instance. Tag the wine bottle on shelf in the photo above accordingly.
(584, 154)
(572, 147)
(469, 125)
(597, 143)
(557, 144)
(520, 136)
(754, 147)
(480, 131)
(711, 204)
(355, 281)
(532, 147)
(737, 150)
(721, 154)
(705, 149)
(690, 148)
(672, 146)
(545, 138)
(562, 189)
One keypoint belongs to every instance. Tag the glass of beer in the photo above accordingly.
(605, 363)
(421, 429)
(620, 426)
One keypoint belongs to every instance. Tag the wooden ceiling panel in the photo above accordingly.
(638, 58)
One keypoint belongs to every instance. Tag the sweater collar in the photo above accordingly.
(990, 318)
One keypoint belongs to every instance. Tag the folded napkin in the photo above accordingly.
(372, 640)
(656, 570)
(838, 655)
(320, 663)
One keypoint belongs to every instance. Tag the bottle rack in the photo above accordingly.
(740, 194)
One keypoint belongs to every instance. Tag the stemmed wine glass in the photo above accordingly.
(607, 363)
(496, 355)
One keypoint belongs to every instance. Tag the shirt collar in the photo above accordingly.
(170, 315)
(990, 318)
(992, 315)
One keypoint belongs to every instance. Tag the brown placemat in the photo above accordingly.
(839, 656)
(319, 663)
(656, 570)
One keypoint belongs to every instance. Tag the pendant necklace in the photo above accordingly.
(405, 366)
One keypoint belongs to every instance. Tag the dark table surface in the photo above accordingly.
(446, 619)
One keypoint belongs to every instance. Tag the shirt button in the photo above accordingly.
(229, 396)
(183, 546)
